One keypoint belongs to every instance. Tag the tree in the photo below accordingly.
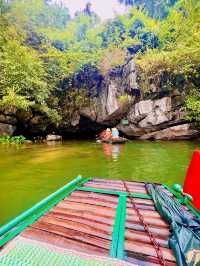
(87, 9)
(39, 14)
(22, 73)
(154, 8)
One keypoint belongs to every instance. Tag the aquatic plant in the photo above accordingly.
(12, 139)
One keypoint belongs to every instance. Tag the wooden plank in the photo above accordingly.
(90, 201)
(160, 232)
(143, 207)
(141, 184)
(115, 185)
(110, 198)
(114, 188)
(92, 182)
(133, 183)
(82, 221)
(142, 201)
(141, 259)
(88, 221)
(105, 187)
(92, 230)
(145, 213)
(107, 203)
(102, 180)
(59, 241)
(72, 234)
(148, 250)
(153, 221)
(111, 183)
(93, 215)
(117, 193)
(139, 190)
(138, 236)
(87, 207)
(95, 196)
(134, 259)
(114, 181)
(85, 213)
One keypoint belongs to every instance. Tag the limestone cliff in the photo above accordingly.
(119, 102)
(148, 116)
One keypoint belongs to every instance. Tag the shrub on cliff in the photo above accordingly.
(193, 105)
(111, 58)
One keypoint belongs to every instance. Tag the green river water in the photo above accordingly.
(28, 173)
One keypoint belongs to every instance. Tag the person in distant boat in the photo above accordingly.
(106, 134)
(115, 133)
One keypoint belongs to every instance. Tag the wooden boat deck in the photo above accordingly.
(99, 219)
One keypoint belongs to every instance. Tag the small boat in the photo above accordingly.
(115, 141)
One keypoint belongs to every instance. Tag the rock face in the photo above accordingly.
(148, 114)
(116, 98)
(173, 133)
(157, 119)
(112, 104)
(6, 129)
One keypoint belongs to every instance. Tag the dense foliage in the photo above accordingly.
(42, 49)
(154, 8)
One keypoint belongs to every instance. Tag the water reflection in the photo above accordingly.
(53, 143)
(112, 151)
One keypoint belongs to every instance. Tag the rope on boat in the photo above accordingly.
(156, 245)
